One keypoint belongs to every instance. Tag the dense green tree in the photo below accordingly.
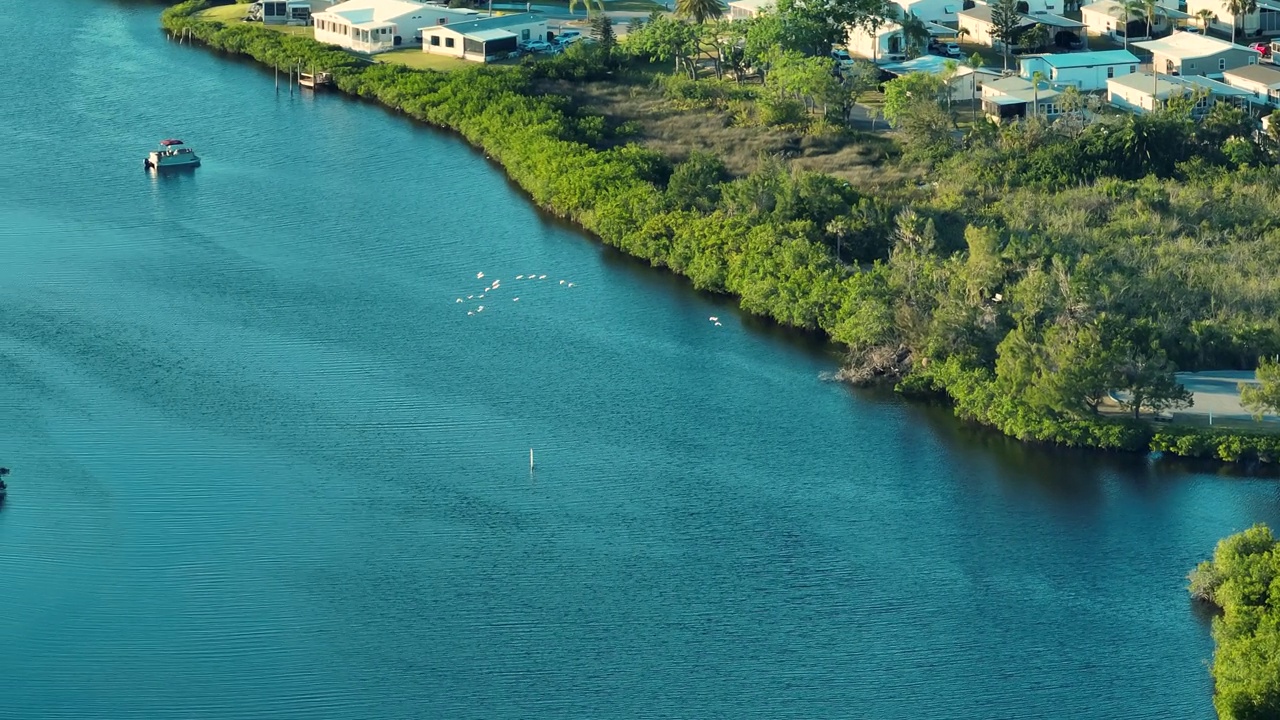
(1006, 22)
(1263, 398)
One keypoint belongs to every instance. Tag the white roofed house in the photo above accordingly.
(1087, 71)
(1143, 92)
(747, 9)
(1261, 81)
(486, 39)
(373, 26)
(1184, 53)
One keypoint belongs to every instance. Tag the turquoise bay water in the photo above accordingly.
(265, 465)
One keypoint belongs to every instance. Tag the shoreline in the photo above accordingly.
(610, 195)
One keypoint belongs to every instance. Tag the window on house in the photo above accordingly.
(1133, 68)
(524, 34)
(435, 40)
(442, 21)
(448, 42)
(1111, 72)
(1222, 63)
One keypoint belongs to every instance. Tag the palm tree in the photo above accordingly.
(1037, 37)
(973, 63)
(914, 32)
(699, 11)
(1150, 9)
(1036, 78)
(1128, 9)
(1238, 9)
(1206, 16)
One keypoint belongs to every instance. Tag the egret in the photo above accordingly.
(717, 324)
(470, 296)
(479, 309)
(481, 296)
(479, 275)
(542, 277)
(569, 285)
(561, 282)
(515, 299)
(470, 313)
(459, 300)
(519, 277)
(713, 318)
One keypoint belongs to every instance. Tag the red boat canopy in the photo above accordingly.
(167, 143)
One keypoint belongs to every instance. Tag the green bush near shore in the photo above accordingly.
(1243, 579)
(1037, 271)
(1225, 445)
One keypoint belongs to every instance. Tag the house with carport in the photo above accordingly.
(373, 26)
(1141, 92)
(1013, 98)
(1184, 53)
(1261, 81)
(1087, 71)
(486, 39)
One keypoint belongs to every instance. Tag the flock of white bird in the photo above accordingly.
(496, 285)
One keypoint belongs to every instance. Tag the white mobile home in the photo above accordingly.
(886, 43)
(1088, 71)
(976, 23)
(1261, 81)
(1141, 92)
(1184, 53)
(1013, 97)
(484, 40)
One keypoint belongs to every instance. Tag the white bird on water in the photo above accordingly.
(717, 324)
(470, 313)
(481, 296)
(479, 275)
(459, 300)
(480, 309)
(542, 277)
(519, 277)
(561, 282)
(713, 318)
(470, 296)
(569, 285)
(515, 299)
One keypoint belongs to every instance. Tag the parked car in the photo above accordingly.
(1193, 30)
(535, 46)
(567, 36)
(1263, 49)
(842, 57)
(952, 50)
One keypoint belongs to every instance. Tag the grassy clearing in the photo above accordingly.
(860, 158)
(415, 58)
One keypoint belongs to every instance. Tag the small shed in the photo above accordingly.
(484, 40)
